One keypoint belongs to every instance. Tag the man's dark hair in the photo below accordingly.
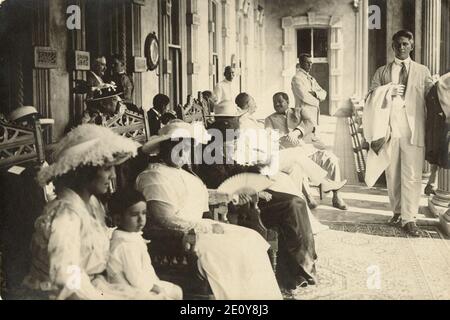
(303, 57)
(121, 200)
(227, 69)
(282, 94)
(403, 33)
(160, 100)
(242, 100)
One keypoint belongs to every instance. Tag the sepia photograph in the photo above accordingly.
(228, 150)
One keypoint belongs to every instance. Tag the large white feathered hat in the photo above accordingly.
(87, 144)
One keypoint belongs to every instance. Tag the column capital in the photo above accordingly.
(193, 68)
(287, 22)
(193, 19)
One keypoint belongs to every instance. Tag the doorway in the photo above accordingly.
(314, 41)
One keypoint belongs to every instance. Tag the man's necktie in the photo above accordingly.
(403, 76)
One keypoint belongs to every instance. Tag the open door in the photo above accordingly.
(314, 41)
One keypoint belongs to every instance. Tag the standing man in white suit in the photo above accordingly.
(410, 82)
(307, 92)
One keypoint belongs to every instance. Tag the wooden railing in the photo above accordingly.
(359, 144)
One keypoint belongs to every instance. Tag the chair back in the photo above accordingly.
(194, 110)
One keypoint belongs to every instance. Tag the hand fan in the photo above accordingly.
(249, 183)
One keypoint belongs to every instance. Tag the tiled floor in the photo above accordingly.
(366, 205)
(354, 264)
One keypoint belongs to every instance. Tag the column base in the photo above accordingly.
(444, 221)
(435, 209)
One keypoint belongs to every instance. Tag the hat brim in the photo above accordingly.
(119, 159)
(152, 145)
(23, 112)
(224, 115)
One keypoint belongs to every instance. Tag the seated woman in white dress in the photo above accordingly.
(70, 245)
(233, 259)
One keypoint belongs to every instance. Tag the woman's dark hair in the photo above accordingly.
(121, 200)
(284, 95)
(75, 179)
(166, 147)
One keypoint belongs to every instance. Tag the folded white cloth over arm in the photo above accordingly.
(376, 117)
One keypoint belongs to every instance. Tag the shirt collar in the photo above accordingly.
(157, 112)
(304, 71)
(128, 236)
(407, 61)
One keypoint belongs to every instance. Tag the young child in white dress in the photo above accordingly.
(129, 261)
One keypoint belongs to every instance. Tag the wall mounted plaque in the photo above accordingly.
(140, 64)
(82, 60)
(45, 58)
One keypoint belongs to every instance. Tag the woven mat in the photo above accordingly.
(379, 262)
(428, 232)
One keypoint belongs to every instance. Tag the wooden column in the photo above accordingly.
(77, 38)
(193, 65)
(226, 33)
(165, 9)
(134, 47)
(445, 37)
(361, 49)
(41, 77)
(432, 35)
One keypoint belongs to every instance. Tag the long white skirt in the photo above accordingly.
(237, 265)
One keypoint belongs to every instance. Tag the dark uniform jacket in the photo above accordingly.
(437, 136)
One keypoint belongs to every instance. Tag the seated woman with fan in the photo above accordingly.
(234, 259)
(286, 212)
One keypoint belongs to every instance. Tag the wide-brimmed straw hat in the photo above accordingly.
(177, 129)
(227, 109)
(87, 144)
